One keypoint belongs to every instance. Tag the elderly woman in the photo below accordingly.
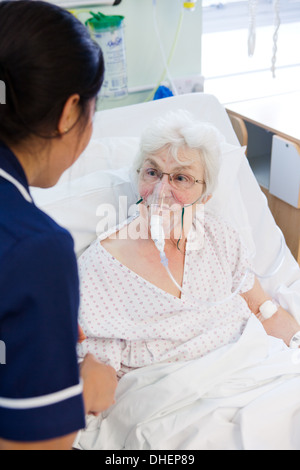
(133, 313)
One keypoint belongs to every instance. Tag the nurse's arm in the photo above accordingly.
(61, 443)
(282, 325)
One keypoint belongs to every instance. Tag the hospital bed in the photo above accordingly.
(86, 194)
(237, 396)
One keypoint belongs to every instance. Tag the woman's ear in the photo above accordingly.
(206, 199)
(70, 114)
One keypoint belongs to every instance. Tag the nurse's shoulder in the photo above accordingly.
(20, 218)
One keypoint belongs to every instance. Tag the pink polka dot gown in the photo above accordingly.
(130, 323)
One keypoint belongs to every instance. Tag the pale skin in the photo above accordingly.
(43, 164)
(141, 256)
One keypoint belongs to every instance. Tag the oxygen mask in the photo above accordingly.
(164, 214)
(162, 199)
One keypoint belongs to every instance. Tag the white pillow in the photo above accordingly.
(227, 200)
(95, 180)
(108, 153)
(96, 194)
(89, 205)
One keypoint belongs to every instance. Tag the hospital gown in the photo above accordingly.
(130, 323)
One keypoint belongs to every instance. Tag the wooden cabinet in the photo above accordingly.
(275, 161)
(288, 219)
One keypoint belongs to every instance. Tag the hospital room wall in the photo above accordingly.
(144, 61)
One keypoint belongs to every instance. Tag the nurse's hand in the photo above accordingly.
(99, 385)
(81, 335)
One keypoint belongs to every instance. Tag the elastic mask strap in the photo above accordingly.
(189, 205)
(182, 216)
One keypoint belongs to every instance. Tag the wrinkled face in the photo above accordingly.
(185, 185)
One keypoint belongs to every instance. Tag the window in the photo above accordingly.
(225, 37)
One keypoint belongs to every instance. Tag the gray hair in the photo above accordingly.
(177, 130)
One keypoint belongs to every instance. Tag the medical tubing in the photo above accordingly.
(166, 70)
(159, 243)
(165, 263)
(182, 216)
(275, 35)
(166, 64)
(158, 236)
(252, 27)
(157, 232)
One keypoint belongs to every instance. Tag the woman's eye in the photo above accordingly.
(181, 178)
(151, 172)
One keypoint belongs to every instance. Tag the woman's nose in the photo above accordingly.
(165, 183)
(165, 178)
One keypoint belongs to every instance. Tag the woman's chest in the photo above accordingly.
(145, 261)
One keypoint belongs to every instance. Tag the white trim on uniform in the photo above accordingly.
(16, 183)
(46, 400)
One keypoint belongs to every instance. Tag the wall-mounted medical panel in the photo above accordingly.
(285, 171)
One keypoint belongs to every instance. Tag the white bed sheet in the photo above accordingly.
(243, 396)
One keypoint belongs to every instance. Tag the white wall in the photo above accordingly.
(145, 65)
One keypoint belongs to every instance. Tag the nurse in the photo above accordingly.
(52, 73)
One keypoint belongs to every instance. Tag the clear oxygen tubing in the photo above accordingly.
(158, 237)
(165, 263)
(166, 71)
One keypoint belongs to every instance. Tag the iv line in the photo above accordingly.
(167, 63)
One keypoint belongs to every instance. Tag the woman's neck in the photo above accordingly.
(31, 160)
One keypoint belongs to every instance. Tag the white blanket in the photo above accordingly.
(243, 396)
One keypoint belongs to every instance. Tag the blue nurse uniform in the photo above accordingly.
(40, 388)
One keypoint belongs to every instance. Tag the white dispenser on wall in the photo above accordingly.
(108, 31)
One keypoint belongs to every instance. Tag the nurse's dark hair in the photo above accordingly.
(46, 55)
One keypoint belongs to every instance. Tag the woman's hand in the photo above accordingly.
(100, 383)
(281, 325)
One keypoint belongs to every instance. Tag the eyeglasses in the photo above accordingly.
(179, 181)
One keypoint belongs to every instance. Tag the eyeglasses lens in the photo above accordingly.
(177, 180)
